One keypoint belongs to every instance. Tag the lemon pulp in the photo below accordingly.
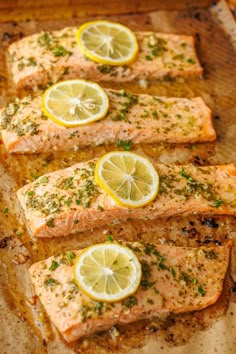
(107, 272)
(130, 179)
(75, 102)
(107, 42)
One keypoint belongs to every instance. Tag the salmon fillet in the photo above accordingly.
(48, 57)
(69, 200)
(136, 118)
(174, 280)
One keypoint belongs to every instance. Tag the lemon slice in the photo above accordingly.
(107, 42)
(75, 102)
(130, 179)
(107, 272)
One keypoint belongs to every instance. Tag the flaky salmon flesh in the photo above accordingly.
(137, 118)
(174, 280)
(48, 57)
(69, 200)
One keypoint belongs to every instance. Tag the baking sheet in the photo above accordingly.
(24, 326)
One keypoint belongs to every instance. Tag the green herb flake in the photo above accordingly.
(98, 307)
(173, 272)
(146, 269)
(148, 57)
(6, 115)
(155, 52)
(68, 201)
(201, 290)
(145, 114)
(146, 284)
(178, 57)
(70, 256)
(125, 144)
(160, 263)
(60, 51)
(210, 254)
(156, 253)
(107, 69)
(191, 61)
(50, 282)
(130, 302)
(159, 46)
(45, 39)
(50, 222)
(150, 301)
(154, 113)
(185, 175)
(5, 211)
(187, 278)
(150, 249)
(218, 203)
(53, 266)
(32, 61)
(110, 238)
(43, 179)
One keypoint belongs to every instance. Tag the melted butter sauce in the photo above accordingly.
(23, 313)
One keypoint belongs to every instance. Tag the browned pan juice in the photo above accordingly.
(21, 312)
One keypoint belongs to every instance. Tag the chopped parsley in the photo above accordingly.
(178, 57)
(210, 254)
(173, 272)
(45, 39)
(185, 175)
(51, 43)
(191, 61)
(187, 278)
(158, 47)
(110, 238)
(50, 222)
(98, 307)
(201, 290)
(148, 57)
(53, 266)
(60, 51)
(160, 263)
(68, 258)
(218, 203)
(8, 113)
(107, 69)
(50, 282)
(130, 302)
(130, 100)
(125, 144)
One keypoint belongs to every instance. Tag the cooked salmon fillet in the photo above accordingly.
(131, 117)
(174, 280)
(48, 57)
(69, 200)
